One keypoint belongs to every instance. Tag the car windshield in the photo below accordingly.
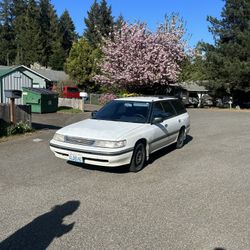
(124, 111)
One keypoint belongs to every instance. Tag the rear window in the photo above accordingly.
(178, 106)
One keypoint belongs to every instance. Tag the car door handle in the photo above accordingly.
(179, 120)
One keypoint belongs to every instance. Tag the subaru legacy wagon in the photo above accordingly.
(124, 132)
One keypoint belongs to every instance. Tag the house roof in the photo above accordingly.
(4, 70)
(53, 75)
(48, 74)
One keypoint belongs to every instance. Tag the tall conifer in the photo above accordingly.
(228, 61)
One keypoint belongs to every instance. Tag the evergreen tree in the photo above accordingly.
(58, 57)
(119, 21)
(67, 31)
(91, 32)
(106, 19)
(228, 62)
(30, 31)
(44, 26)
(55, 40)
(27, 37)
(19, 7)
(99, 23)
(47, 22)
(7, 36)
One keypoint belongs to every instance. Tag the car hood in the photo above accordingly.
(100, 129)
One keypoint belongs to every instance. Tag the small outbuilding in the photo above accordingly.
(17, 77)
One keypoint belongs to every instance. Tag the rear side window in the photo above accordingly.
(169, 110)
(178, 106)
(158, 110)
(163, 109)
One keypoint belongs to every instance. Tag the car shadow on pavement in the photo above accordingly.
(114, 170)
(158, 154)
(42, 126)
(40, 232)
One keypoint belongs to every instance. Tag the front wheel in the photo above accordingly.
(139, 158)
(181, 139)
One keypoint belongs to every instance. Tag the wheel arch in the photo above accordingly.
(145, 142)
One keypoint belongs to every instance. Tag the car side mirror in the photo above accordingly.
(157, 120)
(93, 114)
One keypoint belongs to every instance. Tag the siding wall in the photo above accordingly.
(14, 81)
(38, 82)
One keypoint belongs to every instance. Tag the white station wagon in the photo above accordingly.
(124, 132)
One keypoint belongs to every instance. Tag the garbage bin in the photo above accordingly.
(41, 100)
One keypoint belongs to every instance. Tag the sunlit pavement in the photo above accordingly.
(194, 198)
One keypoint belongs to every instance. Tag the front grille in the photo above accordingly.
(79, 140)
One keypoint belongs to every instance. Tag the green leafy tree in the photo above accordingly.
(193, 68)
(228, 61)
(82, 63)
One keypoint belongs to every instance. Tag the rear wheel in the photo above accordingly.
(181, 138)
(139, 158)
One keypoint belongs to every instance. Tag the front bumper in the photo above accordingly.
(93, 157)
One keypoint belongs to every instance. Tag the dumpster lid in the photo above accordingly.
(40, 91)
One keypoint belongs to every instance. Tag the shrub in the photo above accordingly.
(7, 129)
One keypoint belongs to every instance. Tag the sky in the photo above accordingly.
(193, 12)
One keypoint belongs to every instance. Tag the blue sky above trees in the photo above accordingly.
(194, 12)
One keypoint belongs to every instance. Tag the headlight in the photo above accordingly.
(58, 137)
(110, 144)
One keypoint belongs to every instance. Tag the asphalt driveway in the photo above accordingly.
(194, 198)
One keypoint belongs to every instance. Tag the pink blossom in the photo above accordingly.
(137, 56)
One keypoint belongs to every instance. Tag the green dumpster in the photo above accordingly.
(41, 100)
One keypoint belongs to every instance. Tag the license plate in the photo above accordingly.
(75, 158)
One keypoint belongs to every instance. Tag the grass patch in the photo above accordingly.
(68, 110)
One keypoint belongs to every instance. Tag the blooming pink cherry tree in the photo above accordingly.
(137, 57)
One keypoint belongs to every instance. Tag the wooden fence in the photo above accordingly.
(23, 113)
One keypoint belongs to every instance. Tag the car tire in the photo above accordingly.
(139, 158)
(181, 139)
